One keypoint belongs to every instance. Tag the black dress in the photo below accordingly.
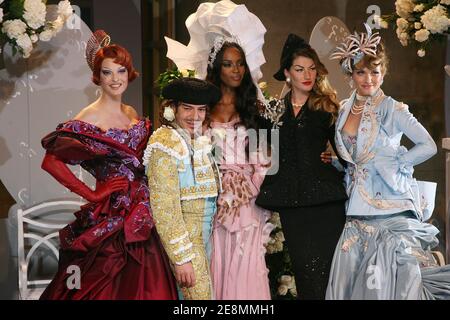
(309, 195)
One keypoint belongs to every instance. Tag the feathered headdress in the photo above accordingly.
(355, 47)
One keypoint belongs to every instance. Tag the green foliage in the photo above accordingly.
(16, 9)
(278, 260)
(171, 74)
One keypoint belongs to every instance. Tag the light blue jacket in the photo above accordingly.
(379, 180)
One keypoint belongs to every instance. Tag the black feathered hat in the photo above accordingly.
(293, 43)
(192, 91)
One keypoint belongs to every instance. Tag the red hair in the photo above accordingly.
(120, 55)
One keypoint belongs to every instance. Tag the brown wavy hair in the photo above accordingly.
(322, 97)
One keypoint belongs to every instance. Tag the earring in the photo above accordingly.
(351, 83)
(288, 80)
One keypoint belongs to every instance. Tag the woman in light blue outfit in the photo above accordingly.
(383, 252)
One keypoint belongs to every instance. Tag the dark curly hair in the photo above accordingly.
(247, 103)
(172, 103)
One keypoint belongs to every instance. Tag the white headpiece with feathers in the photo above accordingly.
(211, 26)
(355, 47)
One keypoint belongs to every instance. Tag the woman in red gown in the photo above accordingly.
(113, 240)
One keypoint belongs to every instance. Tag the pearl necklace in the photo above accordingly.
(355, 109)
(298, 105)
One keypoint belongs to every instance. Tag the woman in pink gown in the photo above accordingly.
(240, 229)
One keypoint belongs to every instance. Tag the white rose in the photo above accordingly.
(57, 25)
(278, 246)
(447, 2)
(404, 8)
(286, 280)
(421, 53)
(275, 219)
(26, 53)
(419, 7)
(34, 13)
(1, 14)
(293, 291)
(402, 24)
(270, 248)
(417, 25)
(436, 20)
(34, 38)
(65, 9)
(24, 41)
(169, 115)
(25, 44)
(262, 85)
(382, 23)
(404, 42)
(422, 35)
(282, 290)
(14, 28)
(279, 236)
(46, 35)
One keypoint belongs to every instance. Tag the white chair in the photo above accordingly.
(37, 229)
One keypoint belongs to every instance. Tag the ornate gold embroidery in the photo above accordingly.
(364, 226)
(365, 156)
(200, 191)
(169, 141)
(193, 212)
(180, 223)
(385, 204)
(166, 206)
(349, 243)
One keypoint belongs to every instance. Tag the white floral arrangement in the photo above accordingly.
(287, 284)
(24, 22)
(275, 243)
(419, 21)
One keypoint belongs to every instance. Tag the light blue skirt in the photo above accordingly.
(387, 258)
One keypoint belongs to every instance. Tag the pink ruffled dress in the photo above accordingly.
(240, 229)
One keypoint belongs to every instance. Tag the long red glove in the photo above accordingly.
(62, 173)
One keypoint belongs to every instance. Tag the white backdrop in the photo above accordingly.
(36, 94)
